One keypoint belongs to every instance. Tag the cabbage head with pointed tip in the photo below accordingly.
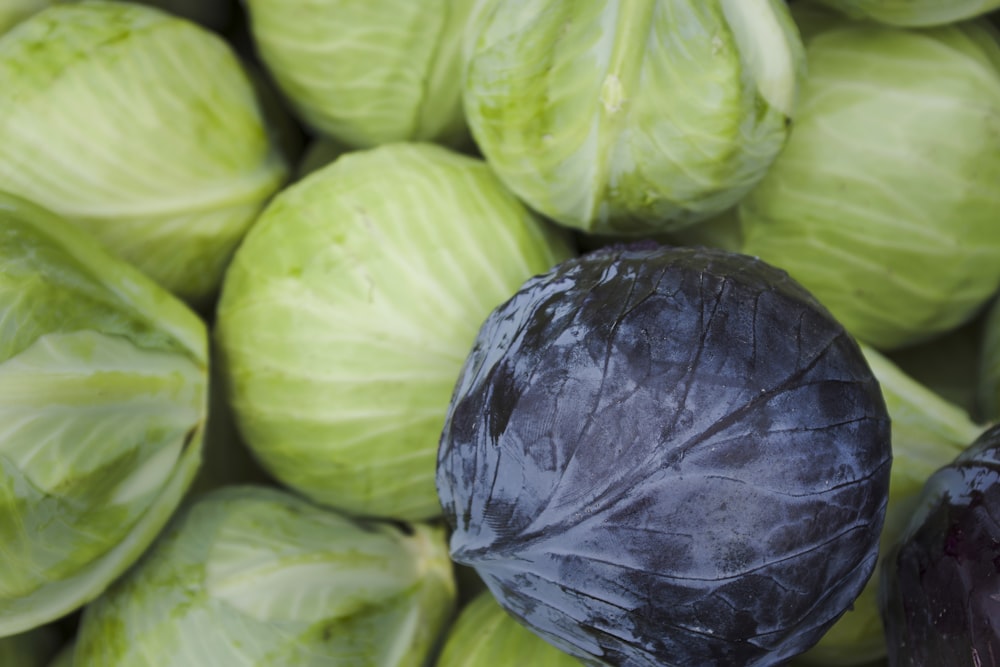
(103, 399)
(141, 128)
(631, 116)
(251, 575)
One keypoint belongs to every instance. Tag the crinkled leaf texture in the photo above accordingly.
(667, 456)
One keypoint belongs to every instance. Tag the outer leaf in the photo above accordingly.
(665, 456)
(141, 128)
(257, 576)
(631, 117)
(348, 310)
(886, 217)
(367, 73)
(102, 405)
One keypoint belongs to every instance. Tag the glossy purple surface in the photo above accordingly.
(941, 587)
(667, 456)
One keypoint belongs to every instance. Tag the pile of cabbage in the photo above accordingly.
(246, 248)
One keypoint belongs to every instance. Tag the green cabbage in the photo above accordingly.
(141, 128)
(103, 390)
(631, 116)
(349, 309)
(367, 73)
(884, 201)
(256, 576)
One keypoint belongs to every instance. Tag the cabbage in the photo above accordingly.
(939, 585)
(348, 310)
(667, 456)
(103, 391)
(884, 202)
(142, 129)
(367, 73)
(256, 576)
(631, 117)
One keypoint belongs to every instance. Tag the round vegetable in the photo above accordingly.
(667, 456)
(940, 586)
(884, 201)
(102, 403)
(347, 312)
(631, 116)
(257, 576)
(141, 128)
(368, 73)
